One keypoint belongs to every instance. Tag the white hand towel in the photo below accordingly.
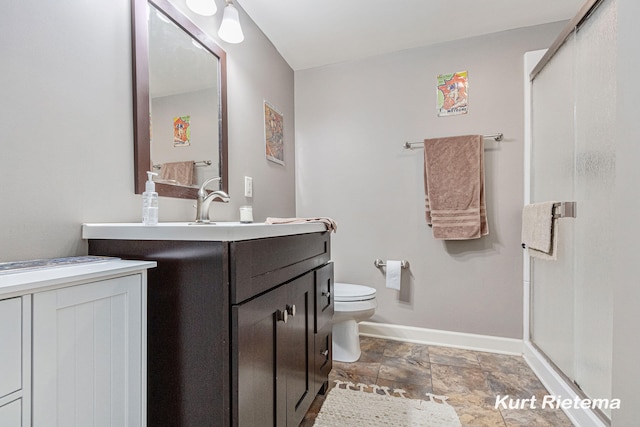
(540, 230)
(394, 274)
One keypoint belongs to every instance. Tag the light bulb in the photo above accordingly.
(203, 7)
(230, 30)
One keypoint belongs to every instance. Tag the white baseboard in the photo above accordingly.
(557, 385)
(443, 338)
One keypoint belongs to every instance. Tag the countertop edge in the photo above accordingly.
(13, 284)
(181, 231)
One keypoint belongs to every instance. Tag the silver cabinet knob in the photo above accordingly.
(282, 316)
(325, 353)
(291, 309)
(326, 294)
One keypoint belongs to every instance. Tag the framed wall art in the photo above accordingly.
(453, 94)
(273, 134)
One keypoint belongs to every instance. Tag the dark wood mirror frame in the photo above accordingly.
(141, 139)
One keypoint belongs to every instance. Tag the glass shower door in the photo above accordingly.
(594, 190)
(552, 178)
(573, 159)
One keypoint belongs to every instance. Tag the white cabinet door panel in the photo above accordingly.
(10, 346)
(11, 414)
(88, 349)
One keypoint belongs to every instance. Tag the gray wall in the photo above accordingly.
(66, 115)
(351, 121)
(66, 141)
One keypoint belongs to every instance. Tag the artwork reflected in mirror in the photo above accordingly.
(186, 99)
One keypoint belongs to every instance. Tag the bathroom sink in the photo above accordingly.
(214, 231)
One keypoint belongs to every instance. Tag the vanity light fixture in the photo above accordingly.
(203, 7)
(230, 29)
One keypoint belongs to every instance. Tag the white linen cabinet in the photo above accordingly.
(86, 339)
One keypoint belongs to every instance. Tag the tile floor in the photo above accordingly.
(470, 379)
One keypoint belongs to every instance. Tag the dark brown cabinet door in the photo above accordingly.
(299, 349)
(273, 341)
(255, 336)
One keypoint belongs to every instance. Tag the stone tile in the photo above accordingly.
(411, 391)
(407, 350)
(479, 416)
(405, 370)
(470, 380)
(535, 417)
(492, 362)
(372, 348)
(357, 369)
(453, 356)
(346, 376)
(463, 386)
(515, 385)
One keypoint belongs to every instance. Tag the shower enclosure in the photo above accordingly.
(573, 103)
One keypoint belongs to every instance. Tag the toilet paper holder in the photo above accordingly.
(379, 263)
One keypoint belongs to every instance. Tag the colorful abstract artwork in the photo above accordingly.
(182, 131)
(273, 134)
(453, 94)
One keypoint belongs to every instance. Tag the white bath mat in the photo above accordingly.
(349, 405)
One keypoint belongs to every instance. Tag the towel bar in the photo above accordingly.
(379, 263)
(498, 137)
(564, 210)
(195, 163)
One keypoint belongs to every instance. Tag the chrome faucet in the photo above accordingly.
(204, 200)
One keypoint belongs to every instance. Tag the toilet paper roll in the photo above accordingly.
(394, 274)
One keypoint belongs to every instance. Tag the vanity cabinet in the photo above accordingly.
(233, 335)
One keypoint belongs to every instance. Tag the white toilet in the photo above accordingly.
(352, 304)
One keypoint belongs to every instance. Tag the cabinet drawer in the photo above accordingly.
(259, 265)
(323, 360)
(324, 296)
(10, 345)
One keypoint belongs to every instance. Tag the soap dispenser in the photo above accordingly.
(150, 201)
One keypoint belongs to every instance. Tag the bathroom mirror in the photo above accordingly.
(180, 114)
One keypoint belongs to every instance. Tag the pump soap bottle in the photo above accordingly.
(150, 201)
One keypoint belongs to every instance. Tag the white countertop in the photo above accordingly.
(221, 231)
(25, 281)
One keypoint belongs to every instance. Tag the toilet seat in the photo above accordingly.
(347, 292)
